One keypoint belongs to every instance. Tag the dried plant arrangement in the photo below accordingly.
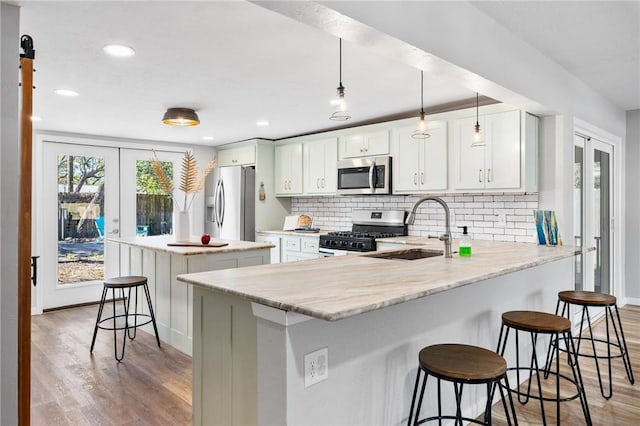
(190, 181)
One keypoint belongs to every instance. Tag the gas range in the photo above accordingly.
(368, 225)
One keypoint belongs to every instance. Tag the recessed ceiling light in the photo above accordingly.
(119, 50)
(262, 123)
(66, 92)
(207, 138)
(35, 118)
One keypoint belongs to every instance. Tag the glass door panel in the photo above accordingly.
(578, 209)
(80, 210)
(602, 220)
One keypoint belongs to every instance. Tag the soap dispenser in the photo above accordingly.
(464, 249)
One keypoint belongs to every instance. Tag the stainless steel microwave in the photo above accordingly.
(367, 175)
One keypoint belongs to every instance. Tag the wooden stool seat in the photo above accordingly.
(462, 363)
(125, 282)
(539, 322)
(587, 298)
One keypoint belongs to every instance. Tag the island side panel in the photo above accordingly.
(224, 360)
(373, 356)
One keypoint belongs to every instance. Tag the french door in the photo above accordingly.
(80, 211)
(593, 213)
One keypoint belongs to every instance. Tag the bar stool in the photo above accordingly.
(461, 364)
(122, 284)
(588, 299)
(555, 326)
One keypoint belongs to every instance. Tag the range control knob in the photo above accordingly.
(344, 243)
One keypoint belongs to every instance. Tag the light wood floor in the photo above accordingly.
(70, 386)
(152, 386)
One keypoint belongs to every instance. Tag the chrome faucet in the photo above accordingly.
(446, 237)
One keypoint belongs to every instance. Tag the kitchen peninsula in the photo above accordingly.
(253, 327)
(160, 263)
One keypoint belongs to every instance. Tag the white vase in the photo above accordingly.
(182, 226)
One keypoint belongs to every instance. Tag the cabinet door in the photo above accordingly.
(237, 156)
(273, 239)
(377, 143)
(406, 161)
(433, 167)
(319, 166)
(351, 146)
(288, 173)
(503, 150)
(469, 170)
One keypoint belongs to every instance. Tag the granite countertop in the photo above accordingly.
(159, 243)
(342, 286)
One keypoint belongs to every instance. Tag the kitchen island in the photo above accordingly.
(372, 314)
(172, 300)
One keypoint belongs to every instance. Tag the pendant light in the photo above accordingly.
(180, 117)
(421, 128)
(478, 134)
(340, 113)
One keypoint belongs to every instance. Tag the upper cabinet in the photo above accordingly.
(237, 156)
(419, 165)
(288, 169)
(319, 165)
(364, 144)
(507, 161)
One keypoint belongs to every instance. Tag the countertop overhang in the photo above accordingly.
(159, 243)
(343, 286)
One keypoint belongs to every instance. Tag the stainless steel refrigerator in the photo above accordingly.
(231, 211)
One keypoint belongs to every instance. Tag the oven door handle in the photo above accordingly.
(372, 171)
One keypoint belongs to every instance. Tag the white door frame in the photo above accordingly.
(51, 293)
(617, 200)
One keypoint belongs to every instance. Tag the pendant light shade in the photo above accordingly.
(340, 113)
(421, 128)
(180, 117)
(478, 134)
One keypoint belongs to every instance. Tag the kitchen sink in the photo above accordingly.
(409, 254)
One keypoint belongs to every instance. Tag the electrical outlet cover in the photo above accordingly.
(316, 367)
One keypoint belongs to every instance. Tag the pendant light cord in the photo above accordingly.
(421, 91)
(477, 116)
(340, 72)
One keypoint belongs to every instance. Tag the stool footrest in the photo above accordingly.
(130, 326)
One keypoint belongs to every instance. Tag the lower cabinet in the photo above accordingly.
(290, 247)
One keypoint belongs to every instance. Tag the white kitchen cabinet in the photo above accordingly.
(500, 164)
(288, 169)
(272, 239)
(320, 158)
(296, 248)
(364, 144)
(237, 156)
(420, 165)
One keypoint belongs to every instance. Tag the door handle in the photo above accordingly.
(372, 170)
(222, 197)
(115, 231)
(480, 175)
(489, 175)
(415, 178)
(422, 178)
(322, 182)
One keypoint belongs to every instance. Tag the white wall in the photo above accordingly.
(632, 219)
(9, 176)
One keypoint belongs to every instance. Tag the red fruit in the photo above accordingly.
(205, 239)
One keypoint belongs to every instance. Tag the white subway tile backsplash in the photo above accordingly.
(478, 211)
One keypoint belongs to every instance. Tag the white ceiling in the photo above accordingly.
(236, 63)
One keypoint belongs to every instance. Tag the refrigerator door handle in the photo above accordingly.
(216, 203)
(222, 203)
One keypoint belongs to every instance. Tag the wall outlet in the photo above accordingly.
(316, 367)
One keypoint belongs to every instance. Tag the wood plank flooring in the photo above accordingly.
(152, 386)
(70, 386)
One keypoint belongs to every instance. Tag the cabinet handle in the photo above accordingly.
(415, 178)
(284, 185)
(422, 178)
(480, 175)
(318, 183)
(322, 182)
(489, 175)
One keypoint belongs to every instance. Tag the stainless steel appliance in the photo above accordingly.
(367, 225)
(368, 175)
(231, 211)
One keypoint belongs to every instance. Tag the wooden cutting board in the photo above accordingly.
(198, 244)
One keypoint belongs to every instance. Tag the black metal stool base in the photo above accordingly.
(612, 319)
(130, 319)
